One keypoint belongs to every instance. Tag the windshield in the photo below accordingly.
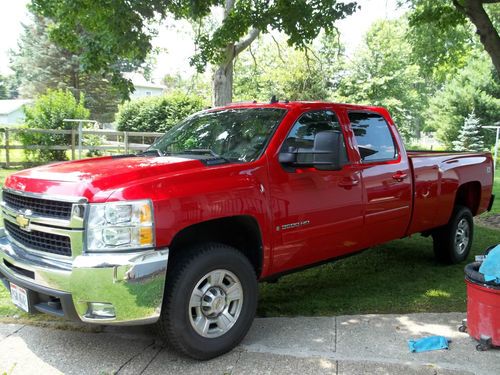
(231, 134)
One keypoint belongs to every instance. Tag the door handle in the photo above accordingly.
(348, 182)
(399, 176)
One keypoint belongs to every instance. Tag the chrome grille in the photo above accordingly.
(40, 241)
(38, 206)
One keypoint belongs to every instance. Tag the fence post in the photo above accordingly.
(80, 140)
(73, 142)
(125, 140)
(7, 155)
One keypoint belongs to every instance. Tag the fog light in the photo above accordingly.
(101, 310)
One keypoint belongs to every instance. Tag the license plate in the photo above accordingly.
(19, 297)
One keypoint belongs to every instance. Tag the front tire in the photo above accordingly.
(210, 301)
(452, 243)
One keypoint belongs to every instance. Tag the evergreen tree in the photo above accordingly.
(41, 65)
(3, 88)
(470, 137)
(8, 87)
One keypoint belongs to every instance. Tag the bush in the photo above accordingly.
(48, 112)
(157, 113)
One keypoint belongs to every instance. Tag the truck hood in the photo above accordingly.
(96, 178)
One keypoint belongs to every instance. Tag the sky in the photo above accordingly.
(175, 38)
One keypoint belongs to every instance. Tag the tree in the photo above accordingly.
(488, 34)
(40, 65)
(196, 85)
(476, 87)
(3, 88)
(48, 112)
(469, 137)
(274, 68)
(8, 87)
(121, 30)
(444, 24)
(382, 73)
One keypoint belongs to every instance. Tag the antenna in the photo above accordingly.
(274, 100)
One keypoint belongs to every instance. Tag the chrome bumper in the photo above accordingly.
(133, 283)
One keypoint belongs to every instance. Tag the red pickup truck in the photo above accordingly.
(181, 233)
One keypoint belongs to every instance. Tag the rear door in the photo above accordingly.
(386, 177)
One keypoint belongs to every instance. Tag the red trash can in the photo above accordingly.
(483, 308)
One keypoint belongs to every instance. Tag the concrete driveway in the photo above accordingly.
(375, 344)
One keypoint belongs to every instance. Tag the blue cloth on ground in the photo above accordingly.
(490, 267)
(428, 343)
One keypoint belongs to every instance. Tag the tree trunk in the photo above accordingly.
(223, 84)
(488, 35)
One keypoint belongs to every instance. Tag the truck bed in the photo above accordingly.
(436, 177)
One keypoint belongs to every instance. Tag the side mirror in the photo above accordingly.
(327, 150)
(326, 153)
(289, 157)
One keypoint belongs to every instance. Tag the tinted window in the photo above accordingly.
(302, 134)
(373, 136)
(235, 134)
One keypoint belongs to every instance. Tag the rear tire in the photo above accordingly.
(452, 243)
(210, 301)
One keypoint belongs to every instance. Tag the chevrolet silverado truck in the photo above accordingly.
(181, 233)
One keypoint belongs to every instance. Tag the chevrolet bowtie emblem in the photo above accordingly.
(23, 221)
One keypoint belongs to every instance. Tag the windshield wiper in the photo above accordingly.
(151, 152)
(206, 151)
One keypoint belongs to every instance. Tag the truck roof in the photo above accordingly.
(301, 105)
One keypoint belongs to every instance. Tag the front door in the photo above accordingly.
(318, 214)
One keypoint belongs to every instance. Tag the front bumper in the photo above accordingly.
(133, 283)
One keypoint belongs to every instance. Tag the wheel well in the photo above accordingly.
(240, 232)
(469, 195)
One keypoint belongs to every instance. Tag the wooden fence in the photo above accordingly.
(111, 141)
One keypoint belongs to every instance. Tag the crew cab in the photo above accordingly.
(181, 233)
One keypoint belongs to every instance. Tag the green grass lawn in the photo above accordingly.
(397, 277)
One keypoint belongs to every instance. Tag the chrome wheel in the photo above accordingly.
(215, 303)
(462, 236)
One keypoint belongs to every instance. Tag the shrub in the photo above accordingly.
(157, 113)
(48, 112)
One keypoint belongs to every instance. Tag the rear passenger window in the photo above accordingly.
(302, 134)
(373, 136)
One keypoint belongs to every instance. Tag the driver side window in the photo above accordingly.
(301, 136)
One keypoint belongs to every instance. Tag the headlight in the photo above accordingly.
(120, 226)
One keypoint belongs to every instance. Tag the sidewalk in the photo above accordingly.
(375, 344)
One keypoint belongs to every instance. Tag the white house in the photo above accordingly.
(11, 111)
(142, 87)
